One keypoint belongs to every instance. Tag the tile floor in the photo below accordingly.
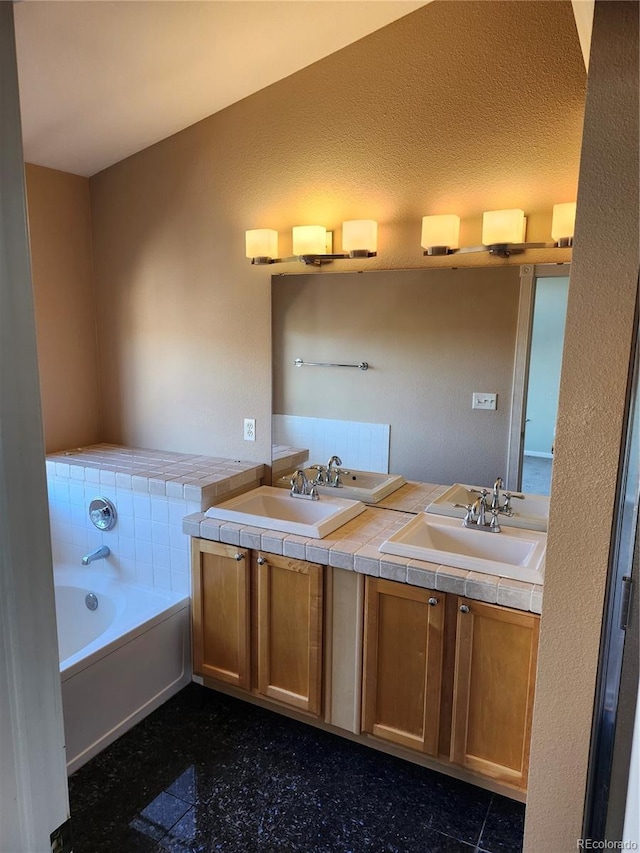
(209, 773)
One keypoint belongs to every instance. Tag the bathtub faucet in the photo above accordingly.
(97, 554)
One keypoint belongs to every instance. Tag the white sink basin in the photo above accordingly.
(275, 509)
(532, 512)
(512, 553)
(366, 486)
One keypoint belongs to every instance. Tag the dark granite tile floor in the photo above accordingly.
(206, 772)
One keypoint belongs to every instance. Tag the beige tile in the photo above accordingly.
(451, 580)
(230, 533)
(514, 594)
(393, 568)
(251, 537)
(536, 599)
(272, 541)
(210, 529)
(422, 574)
(482, 587)
(294, 547)
(367, 561)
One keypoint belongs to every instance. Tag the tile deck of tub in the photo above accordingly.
(204, 479)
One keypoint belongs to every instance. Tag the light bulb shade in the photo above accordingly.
(309, 240)
(563, 221)
(261, 243)
(503, 226)
(360, 235)
(442, 231)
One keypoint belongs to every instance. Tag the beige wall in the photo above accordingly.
(60, 235)
(459, 106)
(600, 324)
(432, 338)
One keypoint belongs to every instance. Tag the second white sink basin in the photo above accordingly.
(275, 509)
(512, 553)
(530, 512)
(369, 487)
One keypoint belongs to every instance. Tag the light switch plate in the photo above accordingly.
(484, 400)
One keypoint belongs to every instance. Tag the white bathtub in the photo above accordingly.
(118, 662)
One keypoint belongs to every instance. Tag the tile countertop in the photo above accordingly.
(354, 547)
(204, 479)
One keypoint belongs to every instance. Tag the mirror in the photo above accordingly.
(434, 340)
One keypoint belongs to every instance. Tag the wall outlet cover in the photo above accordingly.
(249, 429)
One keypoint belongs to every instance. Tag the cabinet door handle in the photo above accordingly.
(433, 601)
(239, 556)
(262, 560)
(464, 608)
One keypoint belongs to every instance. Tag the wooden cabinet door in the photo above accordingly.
(289, 631)
(220, 612)
(494, 681)
(403, 640)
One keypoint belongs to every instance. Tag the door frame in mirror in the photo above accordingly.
(529, 273)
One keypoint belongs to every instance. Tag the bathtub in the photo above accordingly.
(118, 662)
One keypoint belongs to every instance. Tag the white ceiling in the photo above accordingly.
(102, 79)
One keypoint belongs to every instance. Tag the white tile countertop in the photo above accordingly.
(203, 479)
(354, 547)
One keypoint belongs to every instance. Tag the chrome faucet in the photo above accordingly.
(301, 487)
(476, 515)
(495, 500)
(98, 554)
(333, 474)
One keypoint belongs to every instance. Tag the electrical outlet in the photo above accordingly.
(249, 429)
(482, 400)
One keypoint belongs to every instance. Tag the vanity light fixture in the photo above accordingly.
(261, 245)
(440, 234)
(313, 244)
(503, 232)
(563, 223)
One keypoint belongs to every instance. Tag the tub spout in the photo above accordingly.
(97, 554)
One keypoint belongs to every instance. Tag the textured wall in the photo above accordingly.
(439, 111)
(600, 324)
(432, 338)
(60, 235)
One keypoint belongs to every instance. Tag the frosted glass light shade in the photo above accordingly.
(309, 240)
(563, 221)
(261, 243)
(441, 230)
(503, 226)
(360, 235)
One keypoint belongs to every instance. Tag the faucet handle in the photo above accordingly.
(321, 475)
(338, 472)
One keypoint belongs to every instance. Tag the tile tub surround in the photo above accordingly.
(354, 547)
(152, 492)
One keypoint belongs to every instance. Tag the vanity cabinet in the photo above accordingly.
(494, 683)
(257, 623)
(289, 631)
(402, 669)
(446, 679)
(450, 677)
(220, 612)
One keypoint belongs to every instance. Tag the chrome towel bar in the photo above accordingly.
(363, 365)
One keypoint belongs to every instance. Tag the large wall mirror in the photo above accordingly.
(434, 340)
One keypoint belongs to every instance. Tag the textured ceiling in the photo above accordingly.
(102, 80)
